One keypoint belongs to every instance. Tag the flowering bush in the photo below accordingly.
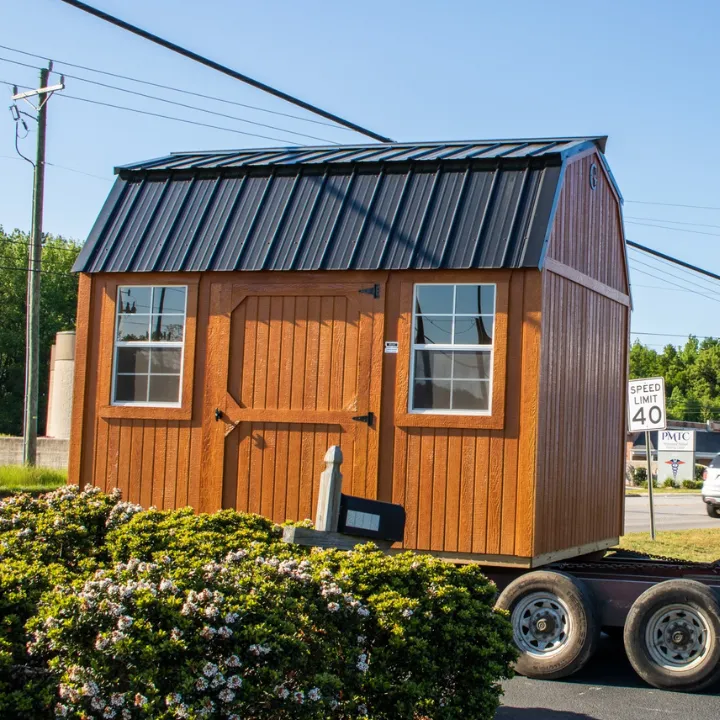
(185, 616)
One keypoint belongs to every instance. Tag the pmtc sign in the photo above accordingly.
(676, 440)
(646, 404)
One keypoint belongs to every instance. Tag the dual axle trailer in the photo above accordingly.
(668, 612)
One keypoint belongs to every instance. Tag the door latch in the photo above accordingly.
(374, 291)
(218, 414)
(369, 418)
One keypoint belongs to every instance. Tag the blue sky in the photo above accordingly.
(643, 72)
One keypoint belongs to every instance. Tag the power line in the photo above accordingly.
(667, 227)
(667, 204)
(698, 282)
(64, 167)
(700, 337)
(657, 277)
(674, 222)
(178, 90)
(672, 259)
(43, 272)
(183, 105)
(222, 68)
(167, 117)
(660, 287)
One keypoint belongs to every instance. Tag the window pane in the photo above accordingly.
(134, 300)
(471, 365)
(166, 360)
(470, 395)
(431, 395)
(475, 299)
(167, 328)
(132, 360)
(131, 388)
(433, 330)
(434, 299)
(133, 327)
(473, 330)
(164, 388)
(432, 364)
(169, 300)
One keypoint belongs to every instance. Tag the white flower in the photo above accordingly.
(362, 665)
(210, 669)
(167, 586)
(101, 642)
(333, 607)
(363, 612)
(234, 717)
(173, 699)
(201, 684)
(259, 649)
(140, 700)
(217, 681)
(407, 612)
(226, 695)
(361, 639)
(314, 694)
(124, 622)
(225, 632)
(181, 711)
(90, 688)
(282, 692)
(234, 661)
(234, 682)
(207, 633)
(97, 703)
(61, 710)
(298, 697)
(362, 709)
(108, 712)
(211, 611)
(231, 617)
(176, 634)
(333, 704)
(126, 714)
(331, 589)
(117, 699)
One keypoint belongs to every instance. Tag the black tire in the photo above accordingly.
(576, 606)
(660, 663)
(712, 510)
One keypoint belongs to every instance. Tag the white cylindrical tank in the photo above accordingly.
(61, 388)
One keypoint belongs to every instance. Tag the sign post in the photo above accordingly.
(646, 408)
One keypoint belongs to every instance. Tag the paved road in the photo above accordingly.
(607, 689)
(672, 512)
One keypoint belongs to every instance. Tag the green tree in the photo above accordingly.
(691, 372)
(58, 306)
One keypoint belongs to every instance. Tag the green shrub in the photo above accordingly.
(699, 470)
(668, 483)
(128, 614)
(640, 476)
(692, 484)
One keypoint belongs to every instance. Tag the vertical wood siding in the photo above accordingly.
(587, 231)
(470, 491)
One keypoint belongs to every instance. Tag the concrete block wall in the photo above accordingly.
(51, 452)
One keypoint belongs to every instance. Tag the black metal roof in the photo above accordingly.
(485, 204)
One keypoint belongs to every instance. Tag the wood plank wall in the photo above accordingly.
(587, 231)
(580, 492)
(471, 491)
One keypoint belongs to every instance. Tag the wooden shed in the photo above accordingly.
(454, 315)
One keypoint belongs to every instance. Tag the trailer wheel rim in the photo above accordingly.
(542, 624)
(678, 637)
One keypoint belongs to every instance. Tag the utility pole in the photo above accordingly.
(32, 331)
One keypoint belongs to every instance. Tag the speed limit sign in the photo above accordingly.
(646, 404)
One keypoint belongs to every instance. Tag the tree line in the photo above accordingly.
(58, 308)
(691, 372)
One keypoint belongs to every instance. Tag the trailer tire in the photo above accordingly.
(672, 636)
(554, 621)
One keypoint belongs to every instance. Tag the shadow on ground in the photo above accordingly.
(508, 713)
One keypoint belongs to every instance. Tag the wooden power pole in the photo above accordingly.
(32, 333)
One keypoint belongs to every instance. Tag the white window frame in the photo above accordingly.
(451, 348)
(149, 344)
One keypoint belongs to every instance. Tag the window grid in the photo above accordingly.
(453, 349)
(149, 345)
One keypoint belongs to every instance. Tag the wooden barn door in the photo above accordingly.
(291, 370)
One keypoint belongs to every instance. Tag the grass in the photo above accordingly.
(642, 492)
(18, 478)
(700, 544)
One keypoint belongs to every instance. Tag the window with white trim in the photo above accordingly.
(452, 349)
(149, 343)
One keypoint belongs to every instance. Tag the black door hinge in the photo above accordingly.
(374, 291)
(369, 418)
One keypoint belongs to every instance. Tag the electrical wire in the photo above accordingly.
(64, 167)
(667, 227)
(176, 89)
(681, 335)
(166, 117)
(700, 281)
(44, 272)
(657, 277)
(667, 204)
(183, 105)
(676, 261)
(674, 222)
(201, 59)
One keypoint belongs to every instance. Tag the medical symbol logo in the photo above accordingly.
(674, 464)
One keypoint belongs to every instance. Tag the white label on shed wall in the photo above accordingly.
(391, 347)
(646, 404)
